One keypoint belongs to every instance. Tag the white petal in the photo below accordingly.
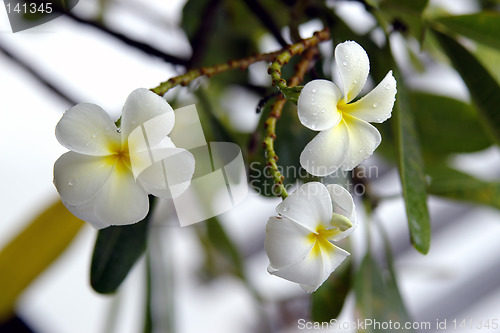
(363, 140)
(314, 269)
(286, 242)
(141, 106)
(86, 213)
(326, 151)
(310, 206)
(377, 105)
(121, 200)
(88, 129)
(308, 272)
(354, 66)
(317, 105)
(331, 260)
(79, 177)
(342, 201)
(343, 204)
(170, 177)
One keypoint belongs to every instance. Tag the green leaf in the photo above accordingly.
(377, 297)
(405, 15)
(484, 89)
(116, 250)
(32, 251)
(442, 121)
(328, 300)
(453, 184)
(225, 246)
(483, 27)
(411, 170)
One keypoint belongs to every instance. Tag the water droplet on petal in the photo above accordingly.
(95, 135)
(313, 126)
(314, 90)
(71, 182)
(379, 120)
(375, 105)
(322, 110)
(387, 86)
(344, 63)
(355, 81)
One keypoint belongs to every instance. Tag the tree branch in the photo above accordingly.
(35, 74)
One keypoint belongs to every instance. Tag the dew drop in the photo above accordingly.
(375, 105)
(313, 126)
(387, 86)
(355, 81)
(379, 120)
(314, 90)
(344, 63)
(315, 113)
(71, 182)
(95, 135)
(322, 110)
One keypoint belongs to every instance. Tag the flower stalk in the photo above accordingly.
(276, 110)
(279, 58)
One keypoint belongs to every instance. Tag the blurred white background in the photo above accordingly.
(458, 279)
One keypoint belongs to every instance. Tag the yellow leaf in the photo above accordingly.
(30, 252)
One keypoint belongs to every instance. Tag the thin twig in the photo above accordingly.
(38, 76)
(146, 48)
(279, 58)
(270, 124)
(263, 15)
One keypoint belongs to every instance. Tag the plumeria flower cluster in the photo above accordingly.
(107, 175)
(346, 138)
(298, 241)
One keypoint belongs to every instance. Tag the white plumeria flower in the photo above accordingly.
(346, 138)
(106, 177)
(298, 243)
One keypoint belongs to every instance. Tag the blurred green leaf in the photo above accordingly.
(442, 121)
(484, 90)
(453, 184)
(328, 300)
(32, 251)
(405, 15)
(377, 297)
(483, 27)
(225, 246)
(411, 169)
(489, 58)
(116, 250)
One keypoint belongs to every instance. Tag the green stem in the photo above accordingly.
(276, 110)
(279, 59)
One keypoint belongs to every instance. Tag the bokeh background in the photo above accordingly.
(458, 279)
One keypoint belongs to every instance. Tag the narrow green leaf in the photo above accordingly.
(116, 250)
(225, 246)
(411, 170)
(453, 184)
(328, 300)
(442, 121)
(32, 251)
(377, 298)
(484, 89)
(483, 27)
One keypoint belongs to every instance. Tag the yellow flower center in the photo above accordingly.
(321, 238)
(120, 158)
